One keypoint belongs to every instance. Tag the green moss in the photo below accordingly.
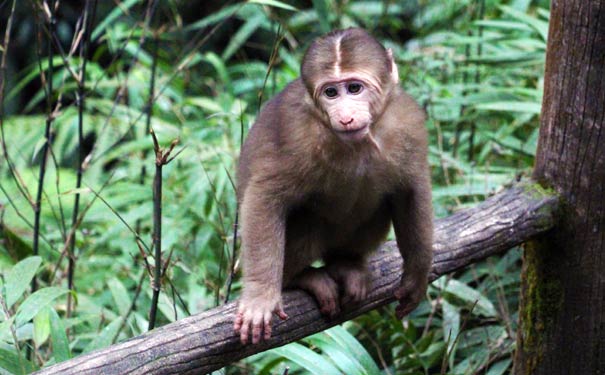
(536, 190)
(542, 301)
(550, 203)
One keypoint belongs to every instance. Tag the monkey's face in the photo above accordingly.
(347, 104)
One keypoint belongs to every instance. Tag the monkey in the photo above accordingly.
(330, 163)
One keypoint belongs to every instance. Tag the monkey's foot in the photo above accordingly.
(353, 278)
(254, 316)
(325, 290)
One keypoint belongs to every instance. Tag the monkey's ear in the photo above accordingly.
(394, 70)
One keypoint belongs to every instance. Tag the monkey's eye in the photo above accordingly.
(331, 92)
(354, 88)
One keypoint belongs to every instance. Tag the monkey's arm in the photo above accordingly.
(412, 216)
(263, 240)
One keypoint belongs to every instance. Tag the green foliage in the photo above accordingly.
(479, 74)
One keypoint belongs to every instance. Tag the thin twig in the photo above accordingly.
(236, 222)
(88, 22)
(178, 296)
(444, 362)
(279, 36)
(149, 110)
(133, 307)
(162, 157)
(463, 107)
(471, 141)
(76, 225)
(47, 137)
(5, 46)
(221, 234)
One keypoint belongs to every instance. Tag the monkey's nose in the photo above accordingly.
(346, 122)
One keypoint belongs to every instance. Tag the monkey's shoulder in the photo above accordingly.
(402, 127)
(404, 110)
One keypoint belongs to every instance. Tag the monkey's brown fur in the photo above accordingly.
(306, 194)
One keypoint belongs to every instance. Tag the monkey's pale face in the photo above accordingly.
(347, 105)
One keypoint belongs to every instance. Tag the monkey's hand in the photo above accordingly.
(255, 314)
(410, 292)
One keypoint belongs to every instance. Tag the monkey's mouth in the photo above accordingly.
(353, 134)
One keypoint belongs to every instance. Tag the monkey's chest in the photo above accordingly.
(346, 203)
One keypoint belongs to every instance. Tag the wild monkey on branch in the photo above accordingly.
(331, 162)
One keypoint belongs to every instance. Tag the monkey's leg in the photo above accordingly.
(347, 264)
(303, 247)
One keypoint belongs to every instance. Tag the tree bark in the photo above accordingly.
(562, 312)
(206, 342)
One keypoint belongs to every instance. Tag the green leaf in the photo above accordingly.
(340, 335)
(59, 339)
(510, 106)
(105, 337)
(36, 302)
(273, 3)
(42, 326)
(465, 293)
(112, 16)
(5, 329)
(322, 9)
(345, 361)
(540, 26)
(499, 368)
(502, 24)
(19, 278)
(473, 362)
(217, 17)
(241, 36)
(205, 103)
(451, 323)
(120, 295)
(15, 363)
(307, 358)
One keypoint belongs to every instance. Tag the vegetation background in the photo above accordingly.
(82, 83)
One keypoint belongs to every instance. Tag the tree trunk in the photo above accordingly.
(562, 312)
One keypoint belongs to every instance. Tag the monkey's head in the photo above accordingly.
(349, 75)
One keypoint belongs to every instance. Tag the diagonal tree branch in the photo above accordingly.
(205, 342)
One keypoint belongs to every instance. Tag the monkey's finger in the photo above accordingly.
(237, 324)
(268, 327)
(403, 310)
(329, 303)
(406, 306)
(245, 327)
(327, 307)
(401, 293)
(279, 311)
(257, 327)
(243, 334)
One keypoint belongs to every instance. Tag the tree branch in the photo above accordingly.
(206, 342)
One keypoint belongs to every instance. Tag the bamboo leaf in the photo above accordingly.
(274, 3)
(242, 35)
(59, 338)
(307, 358)
(18, 279)
(36, 302)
